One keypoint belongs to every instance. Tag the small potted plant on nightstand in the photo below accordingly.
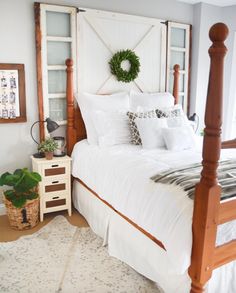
(48, 146)
(22, 200)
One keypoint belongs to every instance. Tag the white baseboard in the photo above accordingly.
(2, 209)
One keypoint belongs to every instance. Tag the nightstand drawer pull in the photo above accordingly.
(55, 197)
(53, 182)
(55, 165)
(56, 171)
(57, 187)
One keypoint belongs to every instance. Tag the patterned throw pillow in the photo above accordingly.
(175, 116)
(172, 112)
(135, 136)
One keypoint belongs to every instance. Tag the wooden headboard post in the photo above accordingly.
(71, 131)
(208, 191)
(176, 83)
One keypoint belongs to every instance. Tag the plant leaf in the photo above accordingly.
(18, 172)
(2, 178)
(9, 194)
(27, 181)
(9, 179)
(36, 176)
(32, 195)
(19, 202)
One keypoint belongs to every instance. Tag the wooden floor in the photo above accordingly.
(8, 234)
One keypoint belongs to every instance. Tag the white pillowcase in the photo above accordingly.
(89, 103)
(112, 128)
(179, 121)
(150, 100)
(150, 130)
(179, 138)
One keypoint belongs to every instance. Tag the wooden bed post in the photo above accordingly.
(70, 134)
(176, 83)
(207, 194)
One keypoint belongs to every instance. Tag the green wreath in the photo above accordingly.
(121, 74)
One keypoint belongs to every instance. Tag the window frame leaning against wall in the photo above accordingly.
(45, 70)
(181, 50)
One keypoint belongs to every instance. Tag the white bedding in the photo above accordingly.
(121, 176)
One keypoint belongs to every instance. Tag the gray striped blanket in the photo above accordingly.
(187, 178)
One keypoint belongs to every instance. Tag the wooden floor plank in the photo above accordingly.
(8, 234)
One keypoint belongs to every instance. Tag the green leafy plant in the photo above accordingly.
(48, 145)
(119, 72)
(23, 183)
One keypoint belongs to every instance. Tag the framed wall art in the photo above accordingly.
(12, 93)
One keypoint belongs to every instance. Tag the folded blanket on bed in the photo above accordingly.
(188, 176)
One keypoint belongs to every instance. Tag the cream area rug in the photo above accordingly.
(64, 258)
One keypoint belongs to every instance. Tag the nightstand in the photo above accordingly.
(55, 187)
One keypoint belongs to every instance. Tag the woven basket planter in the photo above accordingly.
(23, 218)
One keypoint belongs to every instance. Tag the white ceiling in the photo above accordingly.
(214, 2)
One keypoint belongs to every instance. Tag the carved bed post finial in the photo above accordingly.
(176, 83)
(214, 104)
(207, 193)
(70, 106)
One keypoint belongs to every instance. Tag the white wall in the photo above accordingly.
(205, 16)
(17, 46)
(163, 9)
(17, 43)
(230, 73)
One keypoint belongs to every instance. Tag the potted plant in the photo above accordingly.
(22, 200)
(48, 146)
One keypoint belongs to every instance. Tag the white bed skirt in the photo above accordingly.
(131, 246)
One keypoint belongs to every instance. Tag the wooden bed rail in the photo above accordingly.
(224, 254)
(227, 211)
(229, 144)
(208, 191)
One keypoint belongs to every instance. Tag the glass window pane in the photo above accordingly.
(181, 101)
(56, 81)
(57, 109)
(178, 37)
(177, 58)
(58, 24)
(58, 52)
(181, 82)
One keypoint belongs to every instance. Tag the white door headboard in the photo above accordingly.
(102, 33)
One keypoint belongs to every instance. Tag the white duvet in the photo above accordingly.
(121, 176)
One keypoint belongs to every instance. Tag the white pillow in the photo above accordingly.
(179, 121)
(112, 128)
(150, 130)
(150, 100)
(179, 138)
(89, 103)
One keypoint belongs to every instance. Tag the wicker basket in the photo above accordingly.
(23, 218)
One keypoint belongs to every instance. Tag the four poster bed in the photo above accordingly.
(209, 211)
